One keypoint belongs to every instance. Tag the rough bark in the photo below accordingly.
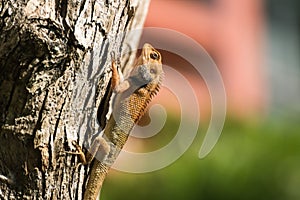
(54, 71)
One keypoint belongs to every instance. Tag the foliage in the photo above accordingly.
(248, 162)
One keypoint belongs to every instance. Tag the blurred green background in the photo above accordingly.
(249, 162)
(253, 159)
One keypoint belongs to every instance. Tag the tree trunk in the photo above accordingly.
(55, 68)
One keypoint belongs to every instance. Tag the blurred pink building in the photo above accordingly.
(232, 32)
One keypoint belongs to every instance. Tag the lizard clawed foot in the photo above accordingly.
(115, 58)
(78, 152)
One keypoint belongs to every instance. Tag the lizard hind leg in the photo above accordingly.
(99, 147)
(79, 153)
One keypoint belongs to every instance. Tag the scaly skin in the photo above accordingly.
(132, 97)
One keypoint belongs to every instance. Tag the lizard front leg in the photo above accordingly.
(117, 85)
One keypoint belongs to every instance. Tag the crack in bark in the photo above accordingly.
(81, 8)
(104, 55)
(64, 9)
(92, 10)
(130, 13)
(59, 117)
(40, 115)
(10, 101)
(43, 184)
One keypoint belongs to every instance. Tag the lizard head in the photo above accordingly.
(148, 67)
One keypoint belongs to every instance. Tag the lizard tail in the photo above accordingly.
(95, 182)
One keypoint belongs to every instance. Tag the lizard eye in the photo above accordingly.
(152, 71)
(154, 55)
